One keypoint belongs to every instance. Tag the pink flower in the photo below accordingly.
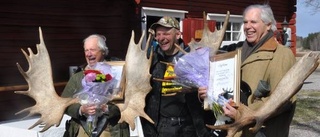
(90, 77)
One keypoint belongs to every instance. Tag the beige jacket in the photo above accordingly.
(269, 63)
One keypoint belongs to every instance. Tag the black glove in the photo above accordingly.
(262, 90)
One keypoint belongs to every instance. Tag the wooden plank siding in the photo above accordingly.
(11, 103)
(196, 7)
(64, 25)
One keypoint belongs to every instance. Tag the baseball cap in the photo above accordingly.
(166, 21)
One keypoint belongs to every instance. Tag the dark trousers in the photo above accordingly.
(176, 127)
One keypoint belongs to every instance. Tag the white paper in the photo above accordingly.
(222, 76)
(117, 72)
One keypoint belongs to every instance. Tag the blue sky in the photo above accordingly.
(306, 21)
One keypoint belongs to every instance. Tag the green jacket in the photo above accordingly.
(72, 126)
(269, 63)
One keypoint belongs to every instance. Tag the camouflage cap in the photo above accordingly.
(166, 21)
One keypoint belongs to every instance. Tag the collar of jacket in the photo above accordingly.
(265, 52)
(270, 45)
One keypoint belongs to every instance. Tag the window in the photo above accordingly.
(234, 32)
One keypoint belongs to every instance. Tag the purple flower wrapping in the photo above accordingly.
(101, 88)
(97, 93)
(192, 69)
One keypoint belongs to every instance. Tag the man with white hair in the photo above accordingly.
(95, 51)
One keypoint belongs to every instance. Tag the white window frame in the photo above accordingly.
(232, 19)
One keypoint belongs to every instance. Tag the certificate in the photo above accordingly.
(224, 77)
(118, 71)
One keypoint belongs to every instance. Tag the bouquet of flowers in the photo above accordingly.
(193, 68)
(99, 86)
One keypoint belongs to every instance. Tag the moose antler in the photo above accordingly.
(137, 81)
(210, 39)
(41, 89)
(52, 107)
(286, 89)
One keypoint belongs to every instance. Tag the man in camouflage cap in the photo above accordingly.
(174, 111)
(166, 21)
(167, 34)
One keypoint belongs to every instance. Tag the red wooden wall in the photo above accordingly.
(64, 25)
(195, 8)
(191, 25)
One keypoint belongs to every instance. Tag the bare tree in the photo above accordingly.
(313, 4)
(315, 43)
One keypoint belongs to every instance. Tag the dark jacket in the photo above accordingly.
(153, 99)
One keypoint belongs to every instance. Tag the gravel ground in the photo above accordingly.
(311, 129)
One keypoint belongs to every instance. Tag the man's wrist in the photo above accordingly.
(106, 110)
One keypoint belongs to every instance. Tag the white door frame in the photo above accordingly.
(160, 12)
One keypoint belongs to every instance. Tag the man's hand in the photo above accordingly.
(88, 109)
(229, 109)
(104, 108)
(202, 92)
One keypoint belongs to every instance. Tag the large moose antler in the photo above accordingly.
(41, 89)
(52, 107)
(210, 39)
(137, 82)
(286, 89)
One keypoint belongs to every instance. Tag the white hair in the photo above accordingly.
(101, 42)
(266, 14)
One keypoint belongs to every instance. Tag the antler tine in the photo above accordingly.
(151, 33)
(222, 31)
(20, 68)
(150, 36)
(21, 71)
(35, 124)
(137, 82)
(180, 49)
(41, 89)
(210, 39)
(287, 87)
(205, 21)
(24, 110)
